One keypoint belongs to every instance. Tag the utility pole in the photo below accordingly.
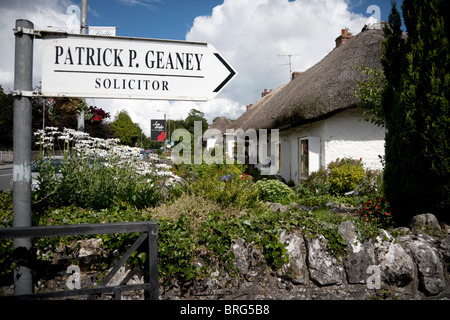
(290, 63)
(83, 30)
(165, 123)
(23, 81)
(165, 138)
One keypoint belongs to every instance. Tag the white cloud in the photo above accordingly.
(145, 3)
(41, 13)
(251, 34)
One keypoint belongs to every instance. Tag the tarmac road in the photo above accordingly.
(6, 173)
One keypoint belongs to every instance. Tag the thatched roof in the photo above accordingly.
(255, 108)
(323, 90)
(222, 123)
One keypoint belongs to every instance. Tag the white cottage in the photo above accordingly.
(316, 113)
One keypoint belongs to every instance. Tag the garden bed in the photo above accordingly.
(201, 210)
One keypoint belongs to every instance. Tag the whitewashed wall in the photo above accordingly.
(349, 136)
(342, 135)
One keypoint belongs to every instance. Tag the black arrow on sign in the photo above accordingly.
(231, 75)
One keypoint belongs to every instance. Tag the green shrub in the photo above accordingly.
(6, 208)
(6, 220)
(88, 183)
(224, 184)
(317, 182)
(275, 191)
(303, 190)
(340, 177)
(345, 178)
(372, 185)
(344, 162)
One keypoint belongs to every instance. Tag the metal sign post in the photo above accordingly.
(23, 77)
(83, 30)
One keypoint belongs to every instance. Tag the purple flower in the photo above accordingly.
(226, 178)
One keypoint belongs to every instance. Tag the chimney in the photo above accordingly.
(343, 37)
(296, 74)
(265, 93)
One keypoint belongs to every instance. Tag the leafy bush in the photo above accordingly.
(91, 184)
(343, 181)
(317, 182)
(176, 258)
(372, 185)
(6, 220)
(345, 178)
(376, 212)
(6, 208)
(224, 184)
(340, 176)
(275, 191)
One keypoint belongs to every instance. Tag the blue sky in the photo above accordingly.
(167, 19)
(252, 35)
(172, 19)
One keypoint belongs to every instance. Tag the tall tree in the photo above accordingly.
(416, 106)
(195, 115)
(126, 130)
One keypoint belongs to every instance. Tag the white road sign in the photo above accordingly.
(131, 68)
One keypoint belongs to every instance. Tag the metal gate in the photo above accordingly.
(149, 233)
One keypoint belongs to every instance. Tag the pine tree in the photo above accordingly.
(416, 106)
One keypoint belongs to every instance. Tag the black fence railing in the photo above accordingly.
(149, 233)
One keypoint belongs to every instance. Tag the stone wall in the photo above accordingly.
(411, 266)
(414, 265)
